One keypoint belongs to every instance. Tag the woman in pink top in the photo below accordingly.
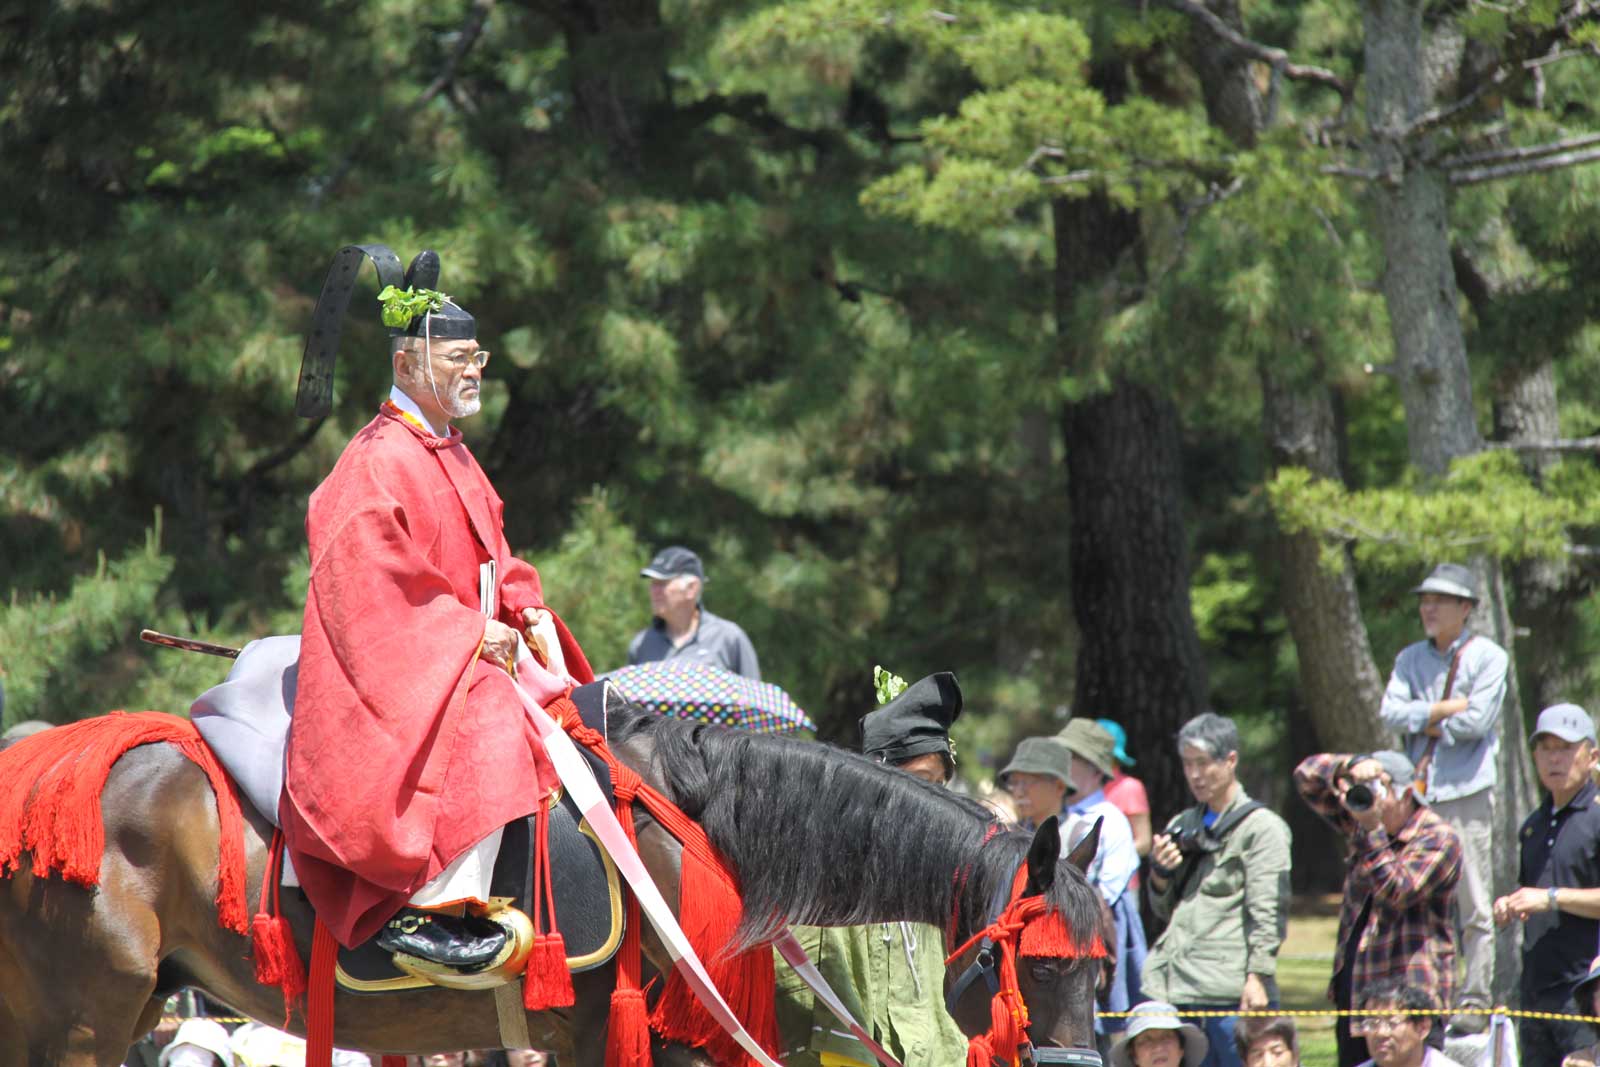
(1127, 792)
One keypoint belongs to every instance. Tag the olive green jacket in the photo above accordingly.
(1231, 919)
(898, 996)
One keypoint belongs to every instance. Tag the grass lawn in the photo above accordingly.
(1304, 964)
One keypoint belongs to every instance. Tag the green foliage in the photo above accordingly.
(400, 306)
(1485, 505)
(887, 684)
(592, 577)
(56, 648)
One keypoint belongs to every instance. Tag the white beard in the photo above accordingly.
(459, 408)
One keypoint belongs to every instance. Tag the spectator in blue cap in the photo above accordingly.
(1127, 793)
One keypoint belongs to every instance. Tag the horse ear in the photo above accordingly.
(1042, 855)
(1082, 853)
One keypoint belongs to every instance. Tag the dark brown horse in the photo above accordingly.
(816, 835)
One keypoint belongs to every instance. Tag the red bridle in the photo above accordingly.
(1026, 926)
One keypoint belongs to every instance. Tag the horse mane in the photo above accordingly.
(826, 837)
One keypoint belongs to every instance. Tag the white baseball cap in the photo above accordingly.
(1566, 721)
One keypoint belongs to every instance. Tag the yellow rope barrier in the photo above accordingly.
(1209, 1013)
(1274, 1013)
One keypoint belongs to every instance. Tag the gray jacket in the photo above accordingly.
(1231, 918)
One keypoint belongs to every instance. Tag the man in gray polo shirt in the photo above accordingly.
(681, 627)
(1444, 698)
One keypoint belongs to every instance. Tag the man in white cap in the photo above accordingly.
(198, 1043)
(1444, 699)
(1557, 905)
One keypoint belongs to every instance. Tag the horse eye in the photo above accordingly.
(1046, 971)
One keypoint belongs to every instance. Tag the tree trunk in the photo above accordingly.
(1340, 687)
(1546, 590)
(1139, 660)
(1419, 288)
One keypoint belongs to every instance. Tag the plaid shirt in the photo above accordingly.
(1409, 878)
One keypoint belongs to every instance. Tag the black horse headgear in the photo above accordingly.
(450, 323)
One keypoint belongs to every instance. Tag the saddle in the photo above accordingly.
(245, 721)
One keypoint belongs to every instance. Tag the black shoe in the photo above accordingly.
(465, 943)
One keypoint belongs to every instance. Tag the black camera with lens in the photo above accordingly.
(1194, 840)
(1360, 797)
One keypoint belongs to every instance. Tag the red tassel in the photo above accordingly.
(628, 1030)
(979, 1054)
(708, 911)
(277, 959)
(547, 983)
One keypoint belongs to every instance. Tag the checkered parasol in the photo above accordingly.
(688, 690)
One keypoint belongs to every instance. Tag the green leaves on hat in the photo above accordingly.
(400, 306)
(888, 685)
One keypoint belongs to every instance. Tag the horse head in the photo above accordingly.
(1025, 984)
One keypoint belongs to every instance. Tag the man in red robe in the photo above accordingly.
(409, 749)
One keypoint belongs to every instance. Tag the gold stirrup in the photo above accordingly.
(507, 965)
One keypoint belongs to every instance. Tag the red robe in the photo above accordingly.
(405, 749)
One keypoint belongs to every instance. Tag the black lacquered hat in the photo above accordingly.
(449, 323)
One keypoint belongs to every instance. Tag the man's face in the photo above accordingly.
(1085, 777)
(1562, 765)
(1442, 614)
(1156, 1048)
(447, 373)
(1394, 1039)
(1037, 796)
(929, 767)
(670, 595)
(1209, 778)
(1270, 1051)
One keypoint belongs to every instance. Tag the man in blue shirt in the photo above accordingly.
(681, 627)
(1444, 699)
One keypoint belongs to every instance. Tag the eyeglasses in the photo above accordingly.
(1378, 1024)
(478, 358)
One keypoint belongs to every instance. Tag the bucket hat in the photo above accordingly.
(1041, 755)
(1451, 579)
(201, 1033)
(1088, 740)
(1159, 1015)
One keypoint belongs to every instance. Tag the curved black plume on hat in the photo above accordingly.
(451, 322)
(424, 270)
(314, 398)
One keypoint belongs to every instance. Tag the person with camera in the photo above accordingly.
(1400, 882)
(1219, 878)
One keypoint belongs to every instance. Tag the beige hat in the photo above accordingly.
(1159, 1015)
(1042, 755)
(1093, 742)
